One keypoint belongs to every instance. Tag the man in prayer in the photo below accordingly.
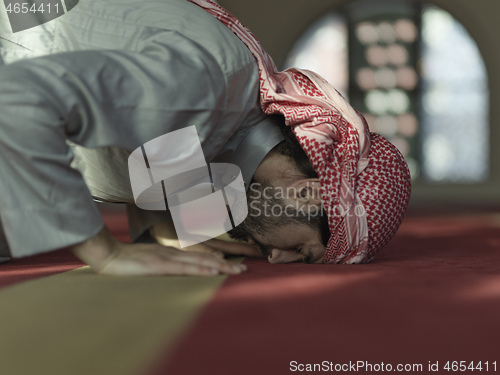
(107, 77)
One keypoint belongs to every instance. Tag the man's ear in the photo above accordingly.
(306, 191)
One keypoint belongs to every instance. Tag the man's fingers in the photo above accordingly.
(202, 248)
(209, 261)
(235, 248)
(188, 269)
(154, 259)
(194, 269)
(160, 268)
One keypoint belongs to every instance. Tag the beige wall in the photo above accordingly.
(278, 23)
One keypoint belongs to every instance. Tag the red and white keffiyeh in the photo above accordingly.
(365, 181)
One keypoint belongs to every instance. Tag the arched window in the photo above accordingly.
(417, 76)
(323, 49)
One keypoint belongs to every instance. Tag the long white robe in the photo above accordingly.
(109, 73)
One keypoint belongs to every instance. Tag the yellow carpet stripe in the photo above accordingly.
(79, 323)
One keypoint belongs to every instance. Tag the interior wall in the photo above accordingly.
(279, 23)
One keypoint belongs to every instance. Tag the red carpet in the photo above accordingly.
(432, 295)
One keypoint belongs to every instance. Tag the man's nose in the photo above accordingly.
(284, 256)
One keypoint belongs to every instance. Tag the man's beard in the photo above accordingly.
(268, 210)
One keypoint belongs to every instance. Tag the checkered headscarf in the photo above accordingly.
(365, 182)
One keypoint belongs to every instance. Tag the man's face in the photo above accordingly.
(284, 213)
(284, 230)
(291, 243)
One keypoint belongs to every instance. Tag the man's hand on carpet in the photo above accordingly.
(221, 248)
(234, 248)
(108, 256)
(164, 233)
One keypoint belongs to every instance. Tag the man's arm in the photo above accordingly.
(108, 256)
(94, 98)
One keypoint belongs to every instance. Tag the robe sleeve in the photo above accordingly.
(92, 98)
